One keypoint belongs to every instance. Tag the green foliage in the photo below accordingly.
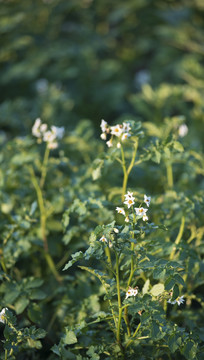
(68, 258)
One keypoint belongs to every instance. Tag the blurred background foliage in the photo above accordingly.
(68, 60)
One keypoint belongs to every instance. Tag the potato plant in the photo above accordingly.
(105, 248)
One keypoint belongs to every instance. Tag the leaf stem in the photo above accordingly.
(126, 171)
(119, 300)
(179, 236)
(107, 252)
(135, 333)
(44, 166)
(169, 173)
(43, 219)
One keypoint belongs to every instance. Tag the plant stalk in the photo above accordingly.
(169, 173)
(44, 167)
(120, 310)
(179, 236)
(43, 219)
(135, 333)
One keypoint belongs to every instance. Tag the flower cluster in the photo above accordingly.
(180, 300)
(121, 132)
(131, 292)
(130, 201)
(42, 132)
(2, 315)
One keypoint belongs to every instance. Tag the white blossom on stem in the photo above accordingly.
(2, 315)
(103, 239)
(131, 292)
(116, 130)
(103, 125)
(147, 200)
(180, 300)
(120, 210)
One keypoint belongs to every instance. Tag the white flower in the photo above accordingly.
(58, 131)
(36, 128)
(120, 210)
(127, 219)
(125, 136)
(103, 136)
(126, 127)
(180, 300)
(131, 292)
(49, 136)
(109, 143)
(116, 230)
(145, 218)
(147, 200)
(103, 239)
(129, 199)
(52, 145)
(103, 125)
(129, 195)
(118, 145)
(116, 130)
(183, 130)
(43, 128)
(129, 202)
(141, 211)
(2, 313)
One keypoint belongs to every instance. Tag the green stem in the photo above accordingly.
(132, 270)
(125, 175)
(179, 236)
(135, 333)
(43, 219)
(41, 207)
(169, 173)
(126, 172)
(52, 266)
(107, 251)
(3, 266)
(44, 167)
(6, 355)
(119, 301)
(133, 157)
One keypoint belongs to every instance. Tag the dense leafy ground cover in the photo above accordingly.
(84, 273)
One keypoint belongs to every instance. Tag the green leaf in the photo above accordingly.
(178, 146)
(174, 342)
(96, 173)
(146, 287)
(70, 337)
(190, 350)
(157, 289)
(179, 279)
(75, 257)
(155, 331)
(175, 292)
(156, 157)
(55, 350)
(159, 273)
(21, 304)
(169, 283)
(37, 294)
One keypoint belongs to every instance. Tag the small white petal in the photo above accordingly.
(103, 136)
(109, 143)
